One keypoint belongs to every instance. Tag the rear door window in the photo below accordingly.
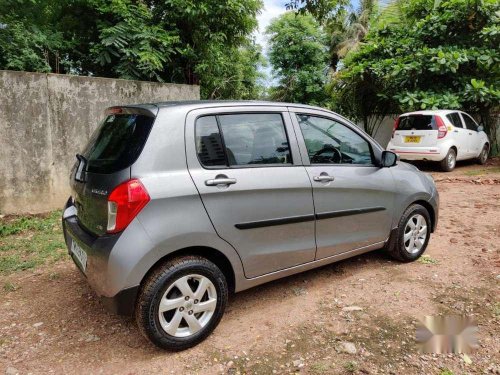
(117, 143)
(233, 140)
(417, 122)
(255, 139)
(455, 119)
(209, 143)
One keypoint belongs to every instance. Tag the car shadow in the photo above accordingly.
(346, 267)
(429, 166)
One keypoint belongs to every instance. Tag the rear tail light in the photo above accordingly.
(442, 130)
(124, 203)
(396, 124)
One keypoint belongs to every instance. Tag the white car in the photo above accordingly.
(444, 136)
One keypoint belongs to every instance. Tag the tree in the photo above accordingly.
(298, 55)
(445, 55)
(232, 74)
(182, 41)
(29, 40)
(344, 25)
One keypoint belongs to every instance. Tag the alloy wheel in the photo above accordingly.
(451, 160)
(415, 234)
(484, 154)
(187, 305)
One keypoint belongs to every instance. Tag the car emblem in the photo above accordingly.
(99, 192)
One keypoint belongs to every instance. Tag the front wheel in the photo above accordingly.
(483, 156)
(181, 302)
(448, 163)
(409, 241)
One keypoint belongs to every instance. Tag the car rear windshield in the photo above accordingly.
(117, 143)
(417, 122)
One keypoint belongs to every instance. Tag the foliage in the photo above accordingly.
(182, 41)
(444, 55)
(29, 241)
(320, 9)
(26, 41)
(232, 75)
(298, 55)
(130, 43)
(345, 25)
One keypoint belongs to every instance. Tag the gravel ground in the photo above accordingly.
(356, 316)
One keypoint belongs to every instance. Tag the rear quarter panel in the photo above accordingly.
(175, 218)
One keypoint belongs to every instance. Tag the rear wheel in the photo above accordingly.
(181, 302)
(449, 162)
(410, 240)
(483, 156)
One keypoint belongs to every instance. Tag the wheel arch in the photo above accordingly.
(454, 148)
(213, 255)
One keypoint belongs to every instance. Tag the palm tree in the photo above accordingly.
(348, 27)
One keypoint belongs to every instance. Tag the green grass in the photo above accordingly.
(482, 171)
(351, 367)
(29, 241)
(426, 259)
(9, 287)
(320, 368)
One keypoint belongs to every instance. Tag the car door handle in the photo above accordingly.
(323, 178)
(220, 181)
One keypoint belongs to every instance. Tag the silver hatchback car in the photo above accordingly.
(175, 205)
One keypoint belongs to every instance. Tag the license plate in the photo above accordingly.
(412, 139)
(79, 254)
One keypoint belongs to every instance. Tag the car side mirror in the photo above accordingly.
(480, 128)
(389, 159)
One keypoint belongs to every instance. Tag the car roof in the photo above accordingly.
(194, 104)
(431, 112)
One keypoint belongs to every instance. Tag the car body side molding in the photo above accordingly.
(273, 222)
(355, 211)
(303, 218)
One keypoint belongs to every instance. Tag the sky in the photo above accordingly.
(272, 9)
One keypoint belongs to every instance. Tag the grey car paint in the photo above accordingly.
(260, 193)
(185, 213)
(368, 189)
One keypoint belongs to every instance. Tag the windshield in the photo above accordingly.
(117, 143)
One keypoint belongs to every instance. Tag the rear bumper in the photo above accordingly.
(418, 153)
(98, 250)
(122, 303)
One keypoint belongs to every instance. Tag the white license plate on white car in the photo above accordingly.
(79, 254)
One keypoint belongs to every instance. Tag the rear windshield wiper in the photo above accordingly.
(80, 175)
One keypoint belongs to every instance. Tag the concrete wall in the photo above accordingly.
(45, 119)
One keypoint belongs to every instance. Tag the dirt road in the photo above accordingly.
(356, 316)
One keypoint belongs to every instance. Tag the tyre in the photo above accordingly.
(410, 240)
(483, 156)
(448, 163)
(181, 302)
